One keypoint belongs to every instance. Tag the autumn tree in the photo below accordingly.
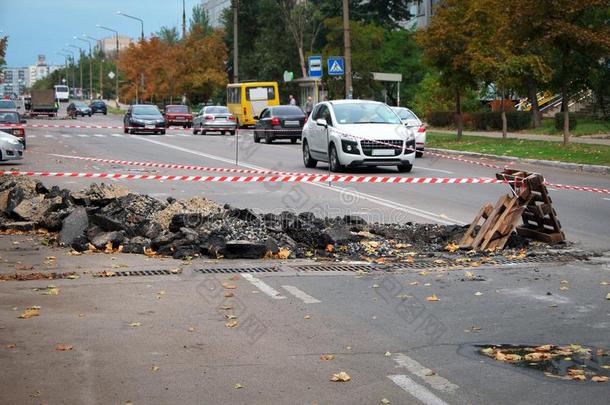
(445, 45)
(3, 47)
(199, 18)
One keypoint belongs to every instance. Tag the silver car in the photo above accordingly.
(412, 122)
(11, 147)
(214, 118)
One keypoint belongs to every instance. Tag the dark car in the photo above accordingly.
(11, 123)
(178, 115)
(79, 108)
(98, 106)
(280, 122)
(143, 118)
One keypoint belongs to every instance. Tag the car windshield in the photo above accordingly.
(365, 113)
(7, 104)
(81, 104)
(62, 89)
(287, 110)
(216, 110)
(145, 110)
(98, 103)
(9, 117)
(177, 109)
(405, 114)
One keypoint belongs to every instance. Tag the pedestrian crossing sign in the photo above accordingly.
(335, 66)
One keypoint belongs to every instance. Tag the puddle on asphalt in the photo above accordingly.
(570, 362)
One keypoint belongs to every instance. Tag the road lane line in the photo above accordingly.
(67, 136)
(99, 136)
(303, 296)
(264, 287)
(433, 170)
(49, 136)
(117, 135)
(31, 136)
(83, 135)
(371, 198)
(607, 199)
(431, 378)
(416, 390)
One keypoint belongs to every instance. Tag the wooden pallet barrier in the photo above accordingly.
(529, 201)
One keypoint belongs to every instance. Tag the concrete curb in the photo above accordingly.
(597, 169)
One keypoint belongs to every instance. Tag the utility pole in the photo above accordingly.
(183, 20)
(101, 79)
(348, 52)
(235, 39)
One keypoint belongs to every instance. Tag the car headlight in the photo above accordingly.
(350, 146)
(14, 142)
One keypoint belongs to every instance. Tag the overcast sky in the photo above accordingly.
(45, 26)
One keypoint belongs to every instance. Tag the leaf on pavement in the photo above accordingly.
(330, 248)
(432, 298)
(452, 247)
(387, 354)
(191, 329)
(24, 267)
(475, 264)
(11, 346)
(414, 283)
(155, 368)
(238, 386)
(283, 254)
(29, 313)
(599, 378)
(231, 324)
(229, 286)
(230, 316)
(74, 253)
(385, 401)
(72, 276)
(341, 377)
(608, 296)
(375, 285)
(135, 324)
(176, 271)
(307, 317)
(327, 357)
(63, 348)
(229, 294)
(478, 294)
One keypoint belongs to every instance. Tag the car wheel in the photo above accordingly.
(419, 153)
(293, 140)
(231, 132)
(335, 163)
(104, 112)
(162, 132)
(405, 168)
(268, 138)
(307, 159)
(195, 131)
(90, 114)
(256, 138)
(125, 130)
(203, 132)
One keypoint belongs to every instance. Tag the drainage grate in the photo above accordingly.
(134, 273)
(333, 267)
(228, 270)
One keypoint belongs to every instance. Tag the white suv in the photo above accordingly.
(352, 133)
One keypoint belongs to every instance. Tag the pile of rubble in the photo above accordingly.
(109, 217)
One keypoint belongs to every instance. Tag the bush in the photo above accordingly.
(481, 121)
(440, 118)
(559, 121)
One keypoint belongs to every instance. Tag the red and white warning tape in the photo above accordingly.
(180, 167)
(265, 179)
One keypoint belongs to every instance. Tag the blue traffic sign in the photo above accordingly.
(315, 66)
(335, 66)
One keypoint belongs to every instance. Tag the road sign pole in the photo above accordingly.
(316, 95)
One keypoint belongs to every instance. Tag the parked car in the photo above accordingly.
(79, 108)
(6, 104)
(280, 122)
(11, 147)
(11, 123)
(143, 118)
(360, 133)
(98, 106)
(214, 118)
(412, 122)
(178, 115)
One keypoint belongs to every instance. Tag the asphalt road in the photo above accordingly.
(584, 215)
(164, 339)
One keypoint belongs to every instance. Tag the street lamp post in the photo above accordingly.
(101, 59)
(66, 56)
(134, 18)
(73, 75)
(116, 84)
(90, 66)
(80, 65)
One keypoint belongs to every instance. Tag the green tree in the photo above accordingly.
(445, 44)
(169, 35)
(384, 13)
(3, 47)
(199, 18)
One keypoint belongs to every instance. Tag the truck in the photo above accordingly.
(43, 103)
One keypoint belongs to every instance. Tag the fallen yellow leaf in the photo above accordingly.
(432, 298)
(452, 247)
(238, 386)
(29, 313)
(229, 286)
(307, 317)
(387, 354)
(191, 329)
(283, 254)
(385, 401)
(229, 294)
(341, 377)
(155, 368)
(135, 324)
(327, 357)
(63, 348)
(231, 324)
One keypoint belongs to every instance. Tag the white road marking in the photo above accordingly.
(433, 170)
(264, 287)
(303, 296)
(431, 378)
(67, 136)
(31, 136)
(117, 135)
(99, 136)
(416, 390)
(83, 135)
(607, 199)
(377, 200)
(49, 136)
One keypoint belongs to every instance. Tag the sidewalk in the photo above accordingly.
(530, 137)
